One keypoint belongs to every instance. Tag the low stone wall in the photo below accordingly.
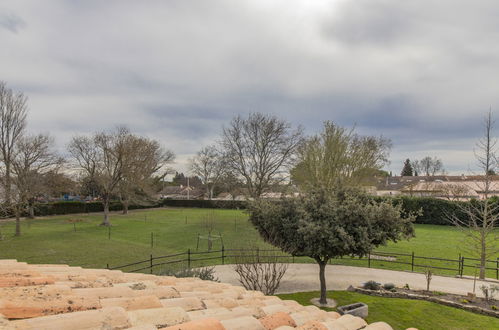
(388, 294)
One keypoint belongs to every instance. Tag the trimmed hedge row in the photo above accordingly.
(434, 211)
(204, 203)
(63, 207)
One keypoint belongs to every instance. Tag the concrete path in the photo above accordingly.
(305, 277)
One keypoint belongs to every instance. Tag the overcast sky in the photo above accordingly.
(422, 73)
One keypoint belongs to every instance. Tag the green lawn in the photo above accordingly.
(53, 240)
(405, 313)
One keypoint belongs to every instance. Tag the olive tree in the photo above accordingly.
(325, 224)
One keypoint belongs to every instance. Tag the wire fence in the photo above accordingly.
(404, 261)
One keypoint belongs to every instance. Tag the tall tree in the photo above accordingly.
(325, 224)
(13, 111)
(101, 157)
(209, 166)
(429, 166)
(144, 164)
(407, 169)
(259, 149)
(338, 156)
(482, 216)
(34, 157)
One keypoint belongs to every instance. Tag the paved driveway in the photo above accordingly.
(305, 277)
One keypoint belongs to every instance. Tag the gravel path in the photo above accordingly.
(305, 277)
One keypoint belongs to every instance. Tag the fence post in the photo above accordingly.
(412, 262)
(223, 255)
(462, 266)
(459, 264)
(189, 258)
(107, 266)
(150, 263)
(369, 260)
(497, 269)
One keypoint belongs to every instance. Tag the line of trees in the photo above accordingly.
(114, 164)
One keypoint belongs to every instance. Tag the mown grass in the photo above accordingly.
(53, 239)
(406, 313)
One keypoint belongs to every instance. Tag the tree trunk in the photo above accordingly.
(31, 209)
(483, 255)
(105, 201)
(322, 279)
(18, 222)
(125, 203)
(7, 183)
(211, 192)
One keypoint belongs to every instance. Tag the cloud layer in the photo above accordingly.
(419, 72)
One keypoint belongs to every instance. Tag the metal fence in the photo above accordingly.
(376, 259)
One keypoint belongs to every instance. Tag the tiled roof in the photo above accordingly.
(61, 297)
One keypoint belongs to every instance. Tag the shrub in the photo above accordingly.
(389, 286)
(406, 286)
(465, 301)
(262, 272)
(204, 273)
(372, 285)
(494, 307)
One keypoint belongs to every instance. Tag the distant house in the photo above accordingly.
(181, 192)
(452, 187)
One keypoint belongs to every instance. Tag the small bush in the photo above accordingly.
(438, 293)
(465, 301)
(204, 273)
(372, 285)
(494, 307)
(389, 286)
(406, 286)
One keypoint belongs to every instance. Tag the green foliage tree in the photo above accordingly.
(338, 156)
(325, 224)
(407, 169)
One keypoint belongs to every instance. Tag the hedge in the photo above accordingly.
(434, 211)
(204, 203)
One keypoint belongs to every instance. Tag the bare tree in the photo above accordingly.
(144, 164)
(259, 271)
(338, 156)
(482, 216)
(34, 157)
(428, 166)
(101, 157)
(259, 149)
(13, 111)
(209, 166)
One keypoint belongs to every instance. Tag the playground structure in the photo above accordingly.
(210, 238)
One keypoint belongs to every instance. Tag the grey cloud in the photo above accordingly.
(422, 73)
(11, 22)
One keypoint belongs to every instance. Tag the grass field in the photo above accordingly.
(405, 313)
(174, 230)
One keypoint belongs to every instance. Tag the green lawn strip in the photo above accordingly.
(405, 313)
(53, 240)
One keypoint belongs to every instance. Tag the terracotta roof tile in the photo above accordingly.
(63, 297)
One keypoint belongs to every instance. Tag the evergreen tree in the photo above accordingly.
(407, 170)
